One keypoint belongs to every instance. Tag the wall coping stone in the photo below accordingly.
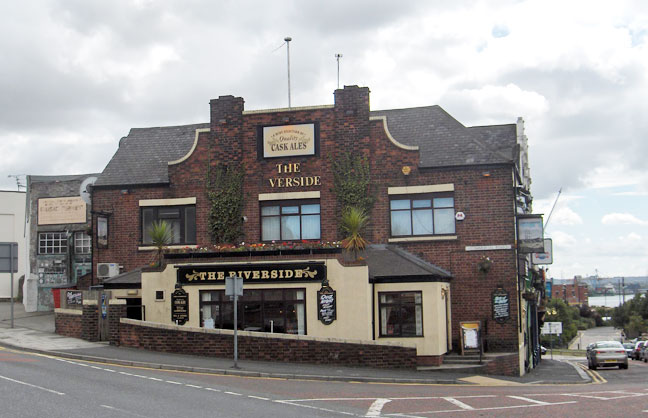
(117, 302)
(68, 311)
(264, 334)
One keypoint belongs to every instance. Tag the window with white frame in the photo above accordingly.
(420, 215)
(52, 243)
(290, 220)
(82, 243)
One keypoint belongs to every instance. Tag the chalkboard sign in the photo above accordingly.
(501, 306)
(179, 306)
(74, 297)
(326, 310)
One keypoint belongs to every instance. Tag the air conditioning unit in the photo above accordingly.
(107, 269)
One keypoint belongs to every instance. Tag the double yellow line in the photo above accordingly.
(596, 377)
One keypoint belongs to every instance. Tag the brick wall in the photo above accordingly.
(487, 201)
(504, 366)
(67, 324)
(263, 347)
(115, 313)
(90, 322)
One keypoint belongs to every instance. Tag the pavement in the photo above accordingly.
(34, 332)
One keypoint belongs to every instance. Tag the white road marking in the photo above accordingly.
(316, 408)
(376, 408)
(258, 397)
(123, 411)
(458, 403)
(155, 378)
(32, 386)
(522, 398)
(110, 370)
(193, 386)
(172, 382)
(233, 393)
(493, 408)
(213, 390)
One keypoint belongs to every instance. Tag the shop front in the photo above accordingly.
(320, 298)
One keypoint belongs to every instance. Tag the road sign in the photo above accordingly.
(234, 286)
(9, 264)
(552, 328)
(8, 257)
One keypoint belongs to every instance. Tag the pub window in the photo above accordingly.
(401, 314)
(159, 295)
(263, 310)
(181, 219)
(429, 214)
(52, 243)
(290, 220)
(82, 243)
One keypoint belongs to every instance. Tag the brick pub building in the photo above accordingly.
(259, 194)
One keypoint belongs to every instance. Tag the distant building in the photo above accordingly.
(12, 229)
(60, 244)
(575, 293)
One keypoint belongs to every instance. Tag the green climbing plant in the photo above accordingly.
(352, 183)
(225, 193)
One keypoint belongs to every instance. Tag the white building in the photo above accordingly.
(12, 229)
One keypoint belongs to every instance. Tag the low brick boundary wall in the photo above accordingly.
(265, 347)
(67, 322)
(504, 365)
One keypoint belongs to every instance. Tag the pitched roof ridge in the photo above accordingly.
(169, 126)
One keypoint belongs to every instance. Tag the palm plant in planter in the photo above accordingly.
(161, 235)
(352, 224)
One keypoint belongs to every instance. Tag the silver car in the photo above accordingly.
(607, 353)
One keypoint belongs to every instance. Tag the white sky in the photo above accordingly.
(76, 75)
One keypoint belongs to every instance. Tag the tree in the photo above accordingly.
(353, 222)
(161, 235)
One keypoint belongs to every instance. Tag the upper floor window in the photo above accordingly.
(82, 243)
(430, 214)
(52, 243)
(290, 220)
(181, 219)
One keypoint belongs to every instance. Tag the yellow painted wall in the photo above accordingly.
(435, 321)
(353, 302)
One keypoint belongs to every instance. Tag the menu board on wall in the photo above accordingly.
(326, 309)
(501, 305)
(179, 306)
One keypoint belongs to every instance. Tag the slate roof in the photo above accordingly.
(442, 140)
(391, 262)
(143, 155)
(130, 279)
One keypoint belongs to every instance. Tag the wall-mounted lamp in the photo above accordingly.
(124, 191)
(286, 119)
(406, 170)
(486, 174)
(222, 121)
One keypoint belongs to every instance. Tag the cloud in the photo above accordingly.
(622, 219)
(563, 240)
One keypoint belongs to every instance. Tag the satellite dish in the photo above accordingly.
(84, 189)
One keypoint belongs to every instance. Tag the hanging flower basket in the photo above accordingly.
(484, 265)
(528, 295)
